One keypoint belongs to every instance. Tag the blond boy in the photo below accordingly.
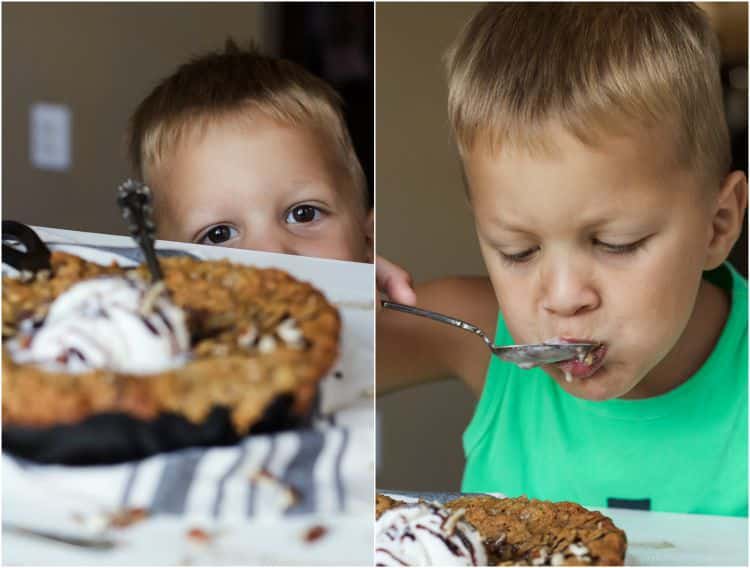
(597, 162)
(249, 151)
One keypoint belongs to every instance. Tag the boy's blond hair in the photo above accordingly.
(594, 68)
(234, 83)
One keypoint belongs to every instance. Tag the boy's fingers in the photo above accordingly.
(395, 282)
(402, 292)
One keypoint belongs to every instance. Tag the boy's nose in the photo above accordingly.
(267, 240)
(568, 290)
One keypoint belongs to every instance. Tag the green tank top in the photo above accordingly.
(684, 451)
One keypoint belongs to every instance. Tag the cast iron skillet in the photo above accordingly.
(118, 437)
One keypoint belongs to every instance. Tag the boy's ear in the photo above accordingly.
(369, 234)
(729, 214)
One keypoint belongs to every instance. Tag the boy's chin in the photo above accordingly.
(599, 387)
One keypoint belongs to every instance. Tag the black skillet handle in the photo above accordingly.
(36, 257)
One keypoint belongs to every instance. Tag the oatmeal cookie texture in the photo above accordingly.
(255, 334)
(527, 532)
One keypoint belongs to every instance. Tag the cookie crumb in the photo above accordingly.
(315, 533)
(127, 517)
(199, 535)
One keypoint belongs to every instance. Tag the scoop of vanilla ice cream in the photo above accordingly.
(426, 534)
(115, 323)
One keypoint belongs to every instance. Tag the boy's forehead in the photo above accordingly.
(641, 153)
(235, 153)
(253, 129)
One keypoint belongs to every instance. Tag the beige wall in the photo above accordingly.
(423, 223)
(101, 59)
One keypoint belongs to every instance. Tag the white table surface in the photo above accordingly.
(163, 541)
(668, 539)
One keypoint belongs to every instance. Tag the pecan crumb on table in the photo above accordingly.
(199, 535)
(316, 532)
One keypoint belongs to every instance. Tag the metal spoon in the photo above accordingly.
(93, 542)
(525, 356)
(134, 199)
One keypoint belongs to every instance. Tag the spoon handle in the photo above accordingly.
(36, 256)
(432, 315)
(134, 199)
(82, 541)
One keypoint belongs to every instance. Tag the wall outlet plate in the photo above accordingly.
(50, 136)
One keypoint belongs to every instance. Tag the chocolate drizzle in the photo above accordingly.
(151, 327)
(160, 314)
(469, 546)
(389, 553)
(455, 550)
(73, 352)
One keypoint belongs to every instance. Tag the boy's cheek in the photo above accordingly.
(520, 321)
(341, 246)
(350, 239)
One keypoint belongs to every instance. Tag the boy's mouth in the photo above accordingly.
(585, 367)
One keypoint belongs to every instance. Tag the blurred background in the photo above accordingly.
(424, 224)
(74, 72)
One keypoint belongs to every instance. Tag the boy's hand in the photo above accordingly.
(394, 281)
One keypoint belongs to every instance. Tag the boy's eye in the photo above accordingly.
(621, 248)
(303, 214)
(518, 257)
(217, 235)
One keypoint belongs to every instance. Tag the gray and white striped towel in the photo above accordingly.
(321, 466)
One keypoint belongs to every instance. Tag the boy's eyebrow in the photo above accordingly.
(506, 226)
(312, 182)
(630, 226)
(296, 185)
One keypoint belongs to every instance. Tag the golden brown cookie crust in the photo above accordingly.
(383, 503)
(229, 308)
(521, 531)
